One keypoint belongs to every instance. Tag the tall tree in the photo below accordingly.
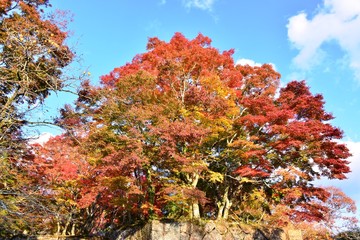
(57, 169)
(33, 55)
(279, 145)
(181, 131)
(152, 125)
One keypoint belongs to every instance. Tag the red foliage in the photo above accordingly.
(59, 168)
(246, 171)
(181, 123)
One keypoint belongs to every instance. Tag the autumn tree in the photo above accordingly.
(339, 218)
(341, 214)
(181, 131)
(280, 145)
(154, 123)
(32, 58)
(351, 234)
(33, 54)
(57, 169)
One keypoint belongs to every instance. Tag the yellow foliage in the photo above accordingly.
(215, 176)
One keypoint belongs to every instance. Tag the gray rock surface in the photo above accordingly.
(157, 230)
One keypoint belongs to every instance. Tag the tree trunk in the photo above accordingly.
(195, 204)
(193, 180)
(73, 229)
(224, 206)
(227, 208)
(151, 194)
(66, 226)
(220, 210)
(195, 210)
(58, 228)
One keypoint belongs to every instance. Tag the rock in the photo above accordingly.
(211, 230)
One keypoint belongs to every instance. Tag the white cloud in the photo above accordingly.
(251, 63)
(42, 138)
(201, 4)
(336, 20)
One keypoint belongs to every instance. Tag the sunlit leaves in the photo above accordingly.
(32, 60)
(33, 55)
(181, 128)
(57, 170)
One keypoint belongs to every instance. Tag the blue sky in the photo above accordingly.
(315, 40)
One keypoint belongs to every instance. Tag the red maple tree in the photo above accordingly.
(181, 131)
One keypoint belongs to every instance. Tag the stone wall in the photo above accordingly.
(156, 230)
